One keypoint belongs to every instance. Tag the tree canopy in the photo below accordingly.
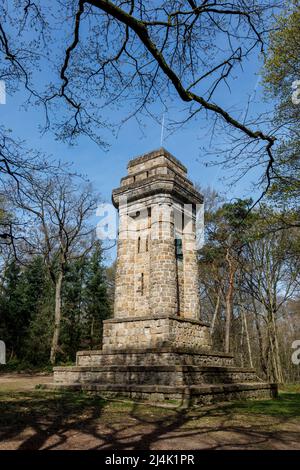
(282, 81)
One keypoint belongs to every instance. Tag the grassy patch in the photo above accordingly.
(18, 366)
(24, 367)
(21, 408)
(290, 388)
(287, 405)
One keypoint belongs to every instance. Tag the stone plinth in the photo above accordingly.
(158, 332)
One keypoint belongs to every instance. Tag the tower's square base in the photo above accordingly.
(162, 375)
(155, 332)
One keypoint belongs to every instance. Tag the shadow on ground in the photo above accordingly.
(47, 420)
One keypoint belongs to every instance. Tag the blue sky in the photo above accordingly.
(105, 169)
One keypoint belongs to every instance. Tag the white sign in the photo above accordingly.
(2, 352)
(296, 354)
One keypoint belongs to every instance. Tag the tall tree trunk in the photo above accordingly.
(273, 368)
(247, 338)
(263, 361)
(242, 342)
(57, 317)
(92, 334)
(229, 297)
(213, 322)
(277, 359)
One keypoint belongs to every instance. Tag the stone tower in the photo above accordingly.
(157, 286)
(156, 346)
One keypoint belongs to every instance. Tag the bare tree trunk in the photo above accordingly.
(57, 318)
(247, 338)
(92, 334)
(263, 361)
(242, 343)
(274, 375)
(12, 353)
(277, 359)
(268, 357)
(213, 322)
(229, 297)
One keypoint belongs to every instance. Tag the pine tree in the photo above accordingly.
(12, 321)
(39, 297)
(72, 308)
(23, 293)
(97, 304)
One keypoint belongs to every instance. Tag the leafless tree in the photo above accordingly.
(17, 164)
(271, 281)
(55, 211)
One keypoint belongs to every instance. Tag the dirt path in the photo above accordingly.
(131, 437)
(19, 382)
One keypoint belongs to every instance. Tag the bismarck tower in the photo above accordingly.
(157, 289)
(156, 346)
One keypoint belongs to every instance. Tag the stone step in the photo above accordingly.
(152, 357)
(194, 394)
(154, 375)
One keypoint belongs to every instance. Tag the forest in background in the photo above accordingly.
(55, 288)
(249, 284)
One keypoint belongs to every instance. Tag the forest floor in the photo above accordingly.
(41, 419)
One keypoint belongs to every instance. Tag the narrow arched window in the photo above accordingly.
(139, 245)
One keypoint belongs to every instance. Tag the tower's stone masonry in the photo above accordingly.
(156, 346)
(148, 332)
(157, 206)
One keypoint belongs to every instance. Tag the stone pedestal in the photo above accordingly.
(163, 375)
(162, 331)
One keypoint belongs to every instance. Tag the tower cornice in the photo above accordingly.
(158, 184)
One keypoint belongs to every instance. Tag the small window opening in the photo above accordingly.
(178, 248)
(142, 284)
(149, 216)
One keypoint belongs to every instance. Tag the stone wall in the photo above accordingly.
(153, 357)
(189, 334)
(154, 375)
(143, 333)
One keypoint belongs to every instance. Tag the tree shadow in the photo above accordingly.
(78, 421)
